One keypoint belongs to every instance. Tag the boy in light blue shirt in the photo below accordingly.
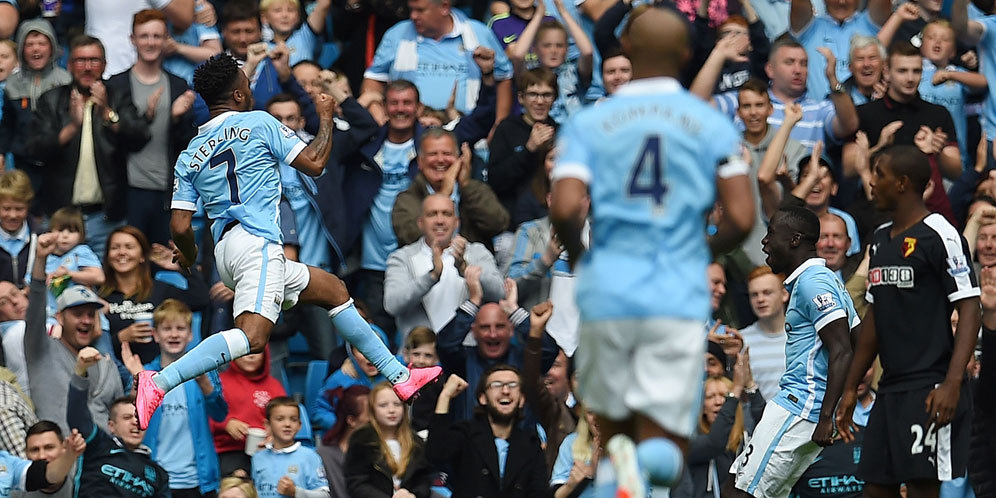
(190, 48)
(281, 19)
(284, 467)
(179, 437)
(981, 33)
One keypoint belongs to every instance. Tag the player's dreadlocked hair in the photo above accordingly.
(215, 79)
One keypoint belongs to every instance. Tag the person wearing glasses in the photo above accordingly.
(520, 142)
(80, 132)
(516, 467)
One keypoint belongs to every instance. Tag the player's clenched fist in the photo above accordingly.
(325, 105)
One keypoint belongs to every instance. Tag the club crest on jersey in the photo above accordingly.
(958, 265)
(909, 245)
(825, 302)
(900, 276)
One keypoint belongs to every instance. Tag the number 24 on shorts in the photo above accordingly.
(920, 440)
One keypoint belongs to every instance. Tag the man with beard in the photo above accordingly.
(489, 455)
(51, 361)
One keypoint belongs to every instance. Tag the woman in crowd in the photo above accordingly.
(385, 458)
(132, 292)
(351, 414)
(247, 387)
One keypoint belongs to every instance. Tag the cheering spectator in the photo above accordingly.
(165, 102)
(617, 70)
(120, 448)
(387, 443)
(178, 436)
(72, 261)
(520, 143)
(45, 442)
(436, 36)
(132, 293)
(27, 475)
(551, 39)
(444, 168)
(827, 37)
(282, 23)
(424, 281)
(979, 32)
(492, 325)
(746, 32)
(926, 125)
(51, 362)
(547, 394)
(185, 49)
(829, 119)
(766, 337)
(351, 413)
(867, 63)
(420, 352)
(508, 26)
(284, 467)
(39, 72)
(576, 458)
(516, 468)
(17, 238)
(247, 387)
(80, 131)
(109, 21)
(13, 307)
(9, 16)
(715, 359)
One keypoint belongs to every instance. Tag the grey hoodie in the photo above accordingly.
(31, 84)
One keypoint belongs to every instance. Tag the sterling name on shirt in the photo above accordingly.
(623, 116)
(206, 150)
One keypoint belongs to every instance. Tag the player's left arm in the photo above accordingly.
(183, 236)
(571, 176)
(734, 194)
(836, 338)
(943, 400)
(311, 161)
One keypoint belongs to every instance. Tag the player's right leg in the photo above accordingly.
(326, 290)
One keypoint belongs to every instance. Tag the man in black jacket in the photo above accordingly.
(115, 464)
(81, 130)
(165, 102)
(489, 455)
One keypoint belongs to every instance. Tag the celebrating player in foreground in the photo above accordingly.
(232, 165)
(918, 431)
(653, 156)
(799, 421)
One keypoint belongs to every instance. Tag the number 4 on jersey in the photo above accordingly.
(647, 178)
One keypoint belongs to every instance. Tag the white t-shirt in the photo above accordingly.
(767, 358)
(110, 22)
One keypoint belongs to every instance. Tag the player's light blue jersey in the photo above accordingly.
(300, 463)
(13, 472)
(816, 298)
(233, 165)
(649, 154)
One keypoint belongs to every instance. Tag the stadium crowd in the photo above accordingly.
(433, 209)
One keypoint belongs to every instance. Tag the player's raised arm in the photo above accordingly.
(313, 158)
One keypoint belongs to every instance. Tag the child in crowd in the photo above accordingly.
(551, 40)
(72, 261)
(420, 352)
(385, 457)
(282, 23)
(247, 387)
(284, 465)
(8, 60)
(357, 369)
(352, 412)
(17, 240)
(179, 436)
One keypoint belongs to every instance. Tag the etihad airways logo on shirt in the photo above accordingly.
(899, 276)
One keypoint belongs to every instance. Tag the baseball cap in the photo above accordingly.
(76, 295)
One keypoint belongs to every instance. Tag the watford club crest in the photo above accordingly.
(909, 245)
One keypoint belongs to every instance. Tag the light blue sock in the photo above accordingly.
(605, 484)
(210, 354)
(357, 332)
(661, 459)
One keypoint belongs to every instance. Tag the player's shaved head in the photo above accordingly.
(656, 41)
(800, 220)
(908, 161)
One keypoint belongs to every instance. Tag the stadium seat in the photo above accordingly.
(305, 435)
(314, 379)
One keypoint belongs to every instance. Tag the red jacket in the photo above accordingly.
(247, 395)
